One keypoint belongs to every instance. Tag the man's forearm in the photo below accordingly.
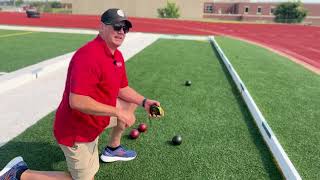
(90, 106)
(130, 95)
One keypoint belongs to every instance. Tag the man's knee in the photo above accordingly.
(120, 125)
(82, 159)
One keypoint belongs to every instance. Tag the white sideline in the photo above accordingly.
(286, 166)
(45, 29)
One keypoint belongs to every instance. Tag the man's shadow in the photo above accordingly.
(38, 155)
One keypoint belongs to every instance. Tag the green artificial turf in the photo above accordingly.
(19, 50)
(10, 32)
(288, 96)
(220, 139)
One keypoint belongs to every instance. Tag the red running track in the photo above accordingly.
(300, 42)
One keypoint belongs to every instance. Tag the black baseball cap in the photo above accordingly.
(113, 16)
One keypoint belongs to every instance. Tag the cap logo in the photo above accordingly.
(120, 13)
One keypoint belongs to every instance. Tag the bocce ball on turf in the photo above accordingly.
(188, 83)
(177, 140)
(142, 127)
(134, 134)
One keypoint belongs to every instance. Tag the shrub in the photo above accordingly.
(170, 11)
(290, 12)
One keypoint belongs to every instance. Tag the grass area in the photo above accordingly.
(7, 32)
(22, 49)
(288, 96)
(220, 139)
(61, 10)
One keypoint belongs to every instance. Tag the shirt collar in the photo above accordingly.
(105, 46)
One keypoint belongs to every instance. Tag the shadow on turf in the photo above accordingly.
(268, 163)
(170, 143)
(38, 155)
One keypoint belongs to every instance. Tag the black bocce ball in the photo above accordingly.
(188, 83)
(177, 140)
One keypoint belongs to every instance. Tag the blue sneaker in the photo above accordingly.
(119, 154)
(9, 172)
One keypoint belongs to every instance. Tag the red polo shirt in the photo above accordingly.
(95, 72)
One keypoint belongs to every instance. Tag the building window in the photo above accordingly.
(259, 10)
(246, 10)
(208, 8)
(272, 10)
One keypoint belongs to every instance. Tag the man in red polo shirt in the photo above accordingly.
(96, 89)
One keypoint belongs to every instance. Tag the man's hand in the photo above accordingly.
(125, 117)
(148, 104)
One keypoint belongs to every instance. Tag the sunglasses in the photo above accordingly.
(119, 26)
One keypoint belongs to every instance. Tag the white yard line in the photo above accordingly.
(44, 29)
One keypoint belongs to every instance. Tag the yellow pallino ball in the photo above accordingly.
(156, 111)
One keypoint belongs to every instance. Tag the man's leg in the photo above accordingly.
(114, 151)
(45, 175)
(117, 131)
(82, 159)
(18, 169)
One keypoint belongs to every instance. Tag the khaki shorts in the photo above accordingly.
(82, 159)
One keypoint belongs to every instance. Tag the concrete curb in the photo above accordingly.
(27, 74)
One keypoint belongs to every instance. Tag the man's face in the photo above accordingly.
(114, 34)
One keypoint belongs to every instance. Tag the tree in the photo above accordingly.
(170, 11)
(56, 4)
(18, 2)
(290, 12)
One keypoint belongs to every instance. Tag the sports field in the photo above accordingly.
(220, 139)
(19, 49)
(287, 95)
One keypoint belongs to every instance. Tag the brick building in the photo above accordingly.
(253, 8)
(240, 10)
(247, 11)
